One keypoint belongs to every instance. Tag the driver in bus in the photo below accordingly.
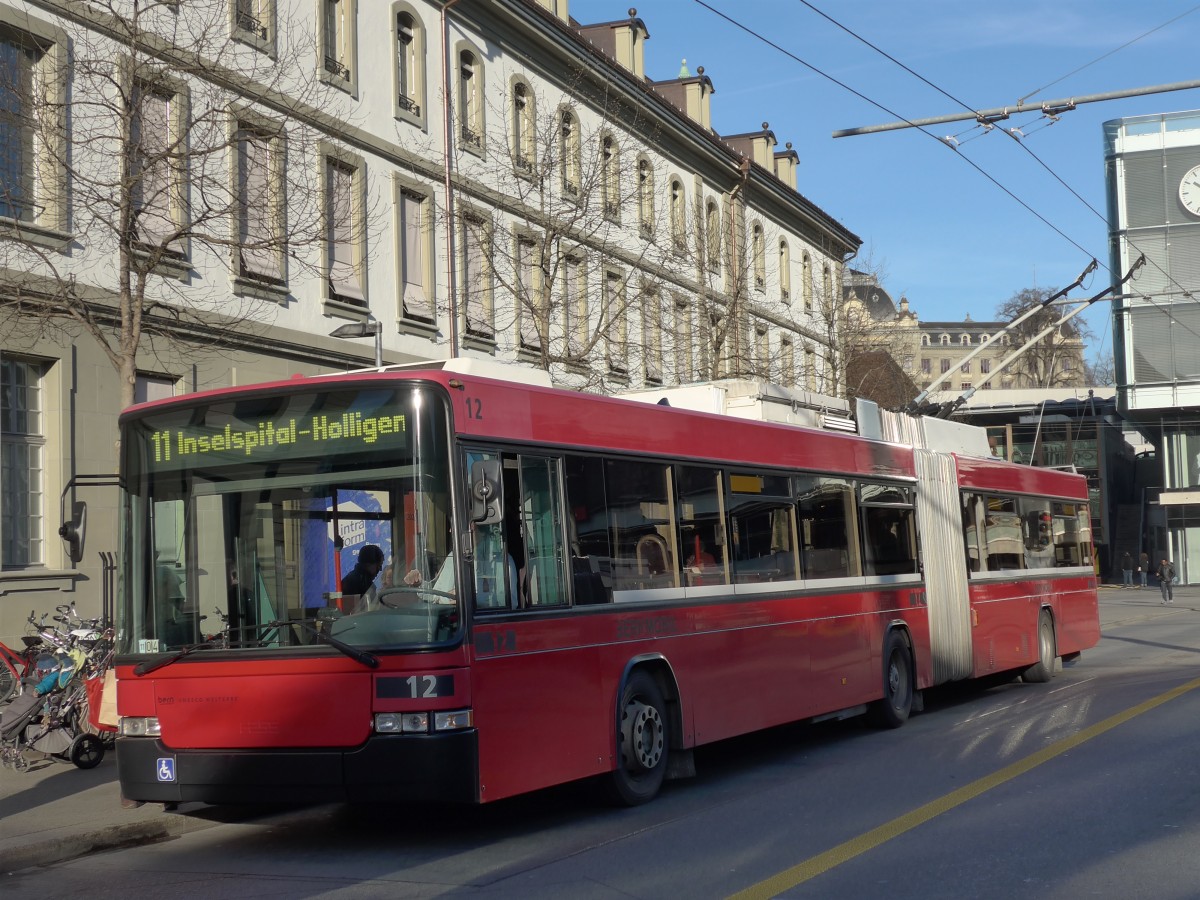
(358, 585)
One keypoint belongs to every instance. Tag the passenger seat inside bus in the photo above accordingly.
(586, 577)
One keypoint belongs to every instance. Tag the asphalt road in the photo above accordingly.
(1086, 786)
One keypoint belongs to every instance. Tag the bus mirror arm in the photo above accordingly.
(485, 492)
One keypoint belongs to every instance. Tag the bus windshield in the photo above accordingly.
(276, 521)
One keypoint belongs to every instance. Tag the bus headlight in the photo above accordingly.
(139, 726)
(418, 722)
(453, 721)
(402, 723)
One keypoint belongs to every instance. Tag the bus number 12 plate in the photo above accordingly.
(415, 687)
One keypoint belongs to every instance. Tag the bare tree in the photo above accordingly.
(579, 257)
(1055, 360)
(874, 345)
(1102, 370)
(184, 146)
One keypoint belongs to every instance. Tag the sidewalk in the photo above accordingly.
(54, 811)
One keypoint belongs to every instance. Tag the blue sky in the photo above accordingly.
(945, 236)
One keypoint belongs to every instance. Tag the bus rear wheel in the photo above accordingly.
(893, 710)
(643, 742)
(1043, 670)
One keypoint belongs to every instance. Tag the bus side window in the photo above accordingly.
(541, 517)
(828, 527)
(702, 540)
(638, 506)
(588, 530)
(1002, 533)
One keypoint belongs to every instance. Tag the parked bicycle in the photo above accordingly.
(56, 711)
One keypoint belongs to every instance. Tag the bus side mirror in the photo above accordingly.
(74, 530)
(485, 492)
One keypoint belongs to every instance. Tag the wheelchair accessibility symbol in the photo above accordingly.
(166, 769)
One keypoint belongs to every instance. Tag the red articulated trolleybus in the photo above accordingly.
(572, 586)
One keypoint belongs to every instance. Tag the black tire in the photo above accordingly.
(8, 684)
(1043, 670)
(893, 710)
(643, 742)
(87, 751)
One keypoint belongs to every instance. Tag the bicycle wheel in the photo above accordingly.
(9, 682)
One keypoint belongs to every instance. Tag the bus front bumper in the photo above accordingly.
(387, 768)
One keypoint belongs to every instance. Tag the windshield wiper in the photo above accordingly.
(359, 656)
(146, 667)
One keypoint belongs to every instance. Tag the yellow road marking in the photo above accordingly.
(848, 850)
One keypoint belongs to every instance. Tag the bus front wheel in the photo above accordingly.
(893, 710)
(643, 741)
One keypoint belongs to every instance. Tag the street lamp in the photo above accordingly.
(364, 329)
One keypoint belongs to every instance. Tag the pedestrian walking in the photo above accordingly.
(1127, 569)
(1144, 566)
(1166, 576)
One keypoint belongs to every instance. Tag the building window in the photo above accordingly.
(152, 387)
(945, 366)
(610, 178)
(924, 340)
(617, 317)
(253, 21)
(530, 311)
(806, 282)
(261, 243)
(524, 145)
(758, 253)
(1066, 364)
(762, 351)
(927, 367)
(964, 386)
(470, 101)
(156, 191)
(678, 216)
(985, 366)
(32, 126)
(575, 307)
(944, 340)
(965, 340)
(787, 362)
(712, 236)
(645, 198)
(683, 337)
(22, 474)
(785, 272)
(652, 329)
(417, 297)
(570, 154)
(476, 288)
(810, 369)
(346, 253)
(339, 43)
(410, 66)
(965, 367)
(826, 284)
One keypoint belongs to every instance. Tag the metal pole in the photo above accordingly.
(1000, 113)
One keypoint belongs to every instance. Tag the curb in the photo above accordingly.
(72, 846)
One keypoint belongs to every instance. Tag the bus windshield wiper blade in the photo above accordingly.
(146, 667)
(359, 656)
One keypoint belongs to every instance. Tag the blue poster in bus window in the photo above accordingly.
(359, 522)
